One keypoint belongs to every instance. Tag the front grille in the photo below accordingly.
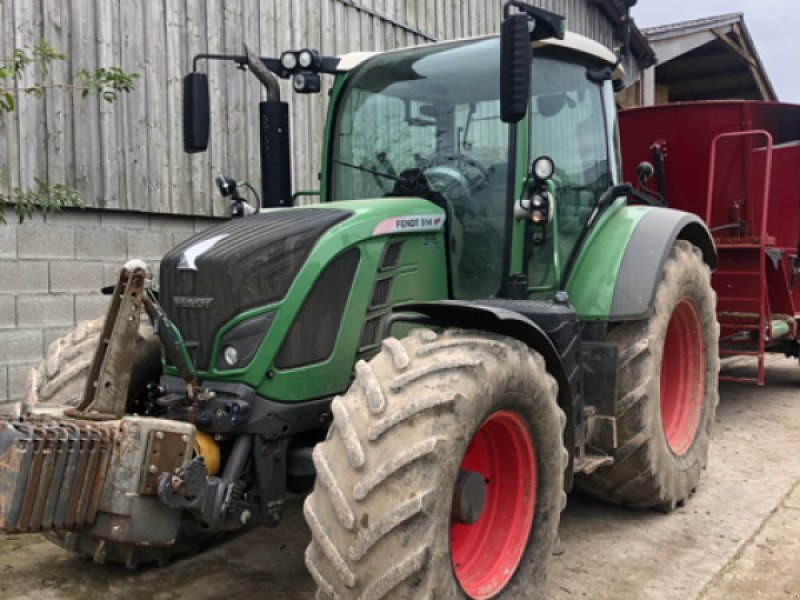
(391, 255)
(314, 331)
(369, 334)
(380, 293)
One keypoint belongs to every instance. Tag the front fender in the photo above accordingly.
(485, 317)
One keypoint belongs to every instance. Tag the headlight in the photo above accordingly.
(543, 168)
(305, 59)
(231, 355)
(240, 344)
(289, 60)
(306, 82)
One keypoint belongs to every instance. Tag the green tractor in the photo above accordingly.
(476, 318)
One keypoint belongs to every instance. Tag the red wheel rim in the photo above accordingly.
(486, 555)
(682, 377)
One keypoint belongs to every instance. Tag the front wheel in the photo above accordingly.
(442, 475)
(668, 391)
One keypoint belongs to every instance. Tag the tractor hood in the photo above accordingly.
(250, 262)
(241, 264)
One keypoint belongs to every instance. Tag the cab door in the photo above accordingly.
(571, 122)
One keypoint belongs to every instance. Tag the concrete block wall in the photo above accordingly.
(51, 271)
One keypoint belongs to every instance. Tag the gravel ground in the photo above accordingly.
(739, 537)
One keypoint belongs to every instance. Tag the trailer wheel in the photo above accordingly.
(58, 381)
(668, 391)
(437, 432)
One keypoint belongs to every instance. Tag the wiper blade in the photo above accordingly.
(370, 171)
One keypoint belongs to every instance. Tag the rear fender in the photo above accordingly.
(645, 255)
(615, 277)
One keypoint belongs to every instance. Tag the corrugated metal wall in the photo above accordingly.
(128, 155)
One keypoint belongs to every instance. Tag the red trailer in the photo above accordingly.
(737, 165)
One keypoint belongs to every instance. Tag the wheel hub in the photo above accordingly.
(486, 553)
(469, 497)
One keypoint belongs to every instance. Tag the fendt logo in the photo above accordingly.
(409, 223)
(417, 222)
(191, 302)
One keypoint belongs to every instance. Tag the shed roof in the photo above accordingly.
(710, 59)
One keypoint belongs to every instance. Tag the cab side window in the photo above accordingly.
(568, 125)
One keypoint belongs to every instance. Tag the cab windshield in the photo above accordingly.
(426, 122)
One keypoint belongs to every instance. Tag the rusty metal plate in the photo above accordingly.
(105, 447)
(166, 451)
(78, 479)
(51, 473)
(34, 474)
(73, 450)
(106, 391)
(49, 448)
(59, 468)
(15, 464)
(77, 475)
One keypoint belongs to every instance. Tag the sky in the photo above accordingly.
(774, 26)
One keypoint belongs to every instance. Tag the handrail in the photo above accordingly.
(764, 324)
(767, 179)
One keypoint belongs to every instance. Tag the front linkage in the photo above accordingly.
(125, 478)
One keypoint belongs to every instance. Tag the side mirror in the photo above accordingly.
(644, 172)
(515, 67)
(196, 112)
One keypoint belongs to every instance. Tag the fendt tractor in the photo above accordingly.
(477, 317)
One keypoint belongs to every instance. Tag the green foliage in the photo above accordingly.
(44, 198)
(104, 82)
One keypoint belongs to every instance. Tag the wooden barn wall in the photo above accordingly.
(128, 155)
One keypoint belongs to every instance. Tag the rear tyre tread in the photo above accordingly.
(645, 473)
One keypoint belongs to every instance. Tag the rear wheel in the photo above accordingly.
(442, 475)
(668, 391)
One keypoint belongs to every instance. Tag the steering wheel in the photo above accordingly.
(476, 175)
(457, 184)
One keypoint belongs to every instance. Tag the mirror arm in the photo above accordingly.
(545, 23)
(265, 69)
(239, 60)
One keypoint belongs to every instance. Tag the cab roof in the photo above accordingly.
(571, 41)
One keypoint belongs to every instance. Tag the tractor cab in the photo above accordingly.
(427, 122)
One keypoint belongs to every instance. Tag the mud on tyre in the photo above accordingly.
(59, 379)
(423, 410)
(668, 391)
